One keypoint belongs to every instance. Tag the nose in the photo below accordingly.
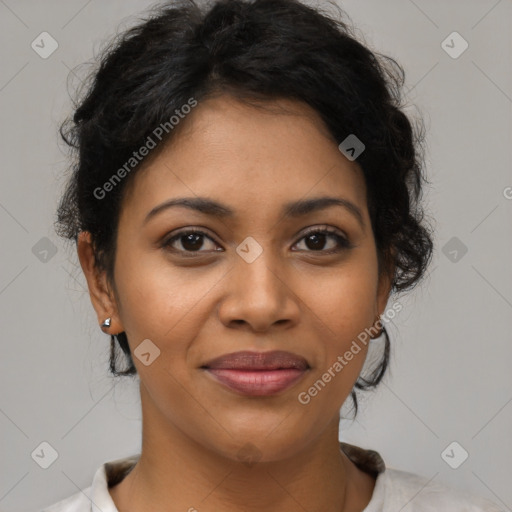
(259, 296)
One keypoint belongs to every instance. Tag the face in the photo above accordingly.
(256, 280)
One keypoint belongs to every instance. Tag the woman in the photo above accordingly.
(245, 201)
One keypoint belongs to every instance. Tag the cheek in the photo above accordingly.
(162, 303)
(344, 310)
(345, 301)
(343, 313)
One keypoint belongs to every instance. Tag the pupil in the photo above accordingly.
(316, 238)
(193, 240)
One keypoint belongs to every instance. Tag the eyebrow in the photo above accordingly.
(293, 209)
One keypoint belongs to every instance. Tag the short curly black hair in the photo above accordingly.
(257, 51)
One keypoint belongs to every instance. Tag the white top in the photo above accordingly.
(394, 489)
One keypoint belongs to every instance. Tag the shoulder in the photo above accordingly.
(78, 502)
(414, 493)
(408, 492)
(96, 497)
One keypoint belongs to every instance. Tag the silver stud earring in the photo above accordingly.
(106, 323)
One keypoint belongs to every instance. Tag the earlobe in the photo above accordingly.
(101, 296)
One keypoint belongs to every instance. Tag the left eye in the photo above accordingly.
(315, 240)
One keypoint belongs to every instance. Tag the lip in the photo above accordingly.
(258, 373)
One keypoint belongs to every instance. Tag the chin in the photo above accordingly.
(268, 443)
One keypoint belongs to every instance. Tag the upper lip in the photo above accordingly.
(247, 360)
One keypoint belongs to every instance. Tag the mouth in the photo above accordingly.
(258, 373)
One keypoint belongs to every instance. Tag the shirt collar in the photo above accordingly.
(108, 475)
(368, 461)
(112, 472)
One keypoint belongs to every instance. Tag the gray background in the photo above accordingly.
(449, 378)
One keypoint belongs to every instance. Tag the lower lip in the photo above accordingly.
(257, 382)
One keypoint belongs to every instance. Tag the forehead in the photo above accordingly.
(253, 158)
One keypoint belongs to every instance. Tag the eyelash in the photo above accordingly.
(343, 243)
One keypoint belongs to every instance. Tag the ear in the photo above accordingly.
(384, 289)
(102, 297)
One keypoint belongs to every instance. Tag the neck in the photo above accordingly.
(177, 473)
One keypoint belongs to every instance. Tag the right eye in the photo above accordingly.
(191, 241)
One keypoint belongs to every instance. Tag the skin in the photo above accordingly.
(293, 297)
